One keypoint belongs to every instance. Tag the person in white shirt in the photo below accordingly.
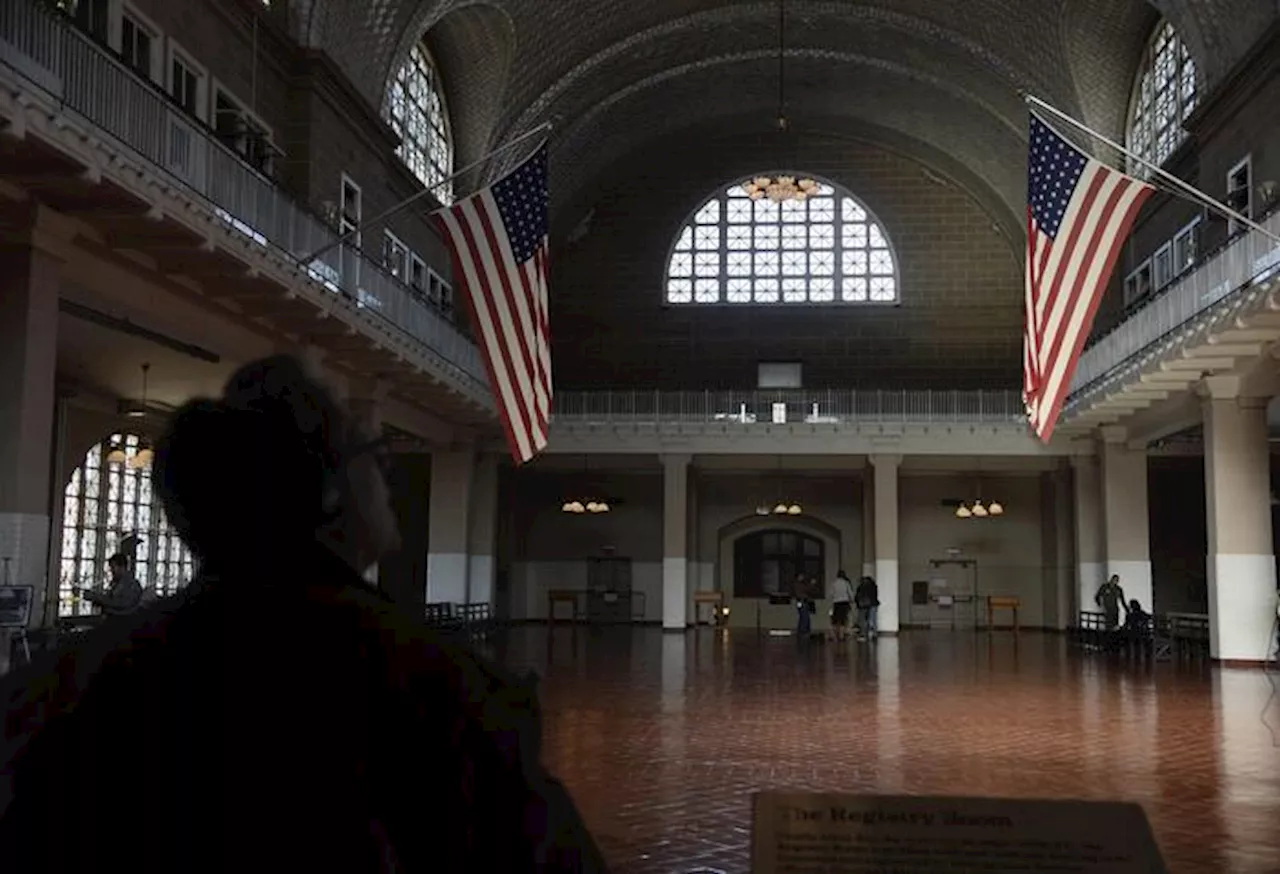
(841, 606)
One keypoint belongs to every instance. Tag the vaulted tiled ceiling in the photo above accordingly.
(617, 75)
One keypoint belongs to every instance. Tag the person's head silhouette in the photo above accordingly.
(271, 467)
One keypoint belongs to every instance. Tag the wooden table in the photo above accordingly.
(559, 596)
(715, 599)
(1002, 602)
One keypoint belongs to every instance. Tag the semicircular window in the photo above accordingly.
(825, 249)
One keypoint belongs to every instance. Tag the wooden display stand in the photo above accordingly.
(563, 596)
(1002, 602)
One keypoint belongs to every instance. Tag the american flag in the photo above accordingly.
(499, 240)
(1079, 212)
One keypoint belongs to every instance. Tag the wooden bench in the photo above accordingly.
(1002, 602)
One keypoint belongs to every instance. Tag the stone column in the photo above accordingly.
(447, 559)
(1124, 514)
(1241, 561)
(482, 537)
(868, 527)
(29, 284)
(675, 546)
(364, 404)
(1064, 570)
(1090, 570)
(693, 566)
(886, 539)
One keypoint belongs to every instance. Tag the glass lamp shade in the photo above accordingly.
(117, 455)
(573, 507)
(995, 508)
(780, 509)
(597, 507)
(979, 510)
(762, 510)
(143, 458)
(963, 512)
(794, 510)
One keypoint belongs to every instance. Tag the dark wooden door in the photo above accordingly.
(609, 589)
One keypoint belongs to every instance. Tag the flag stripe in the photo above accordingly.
(1064, 374)
(496, 363)
(498, 238)
(512, 308)
(1078, 215)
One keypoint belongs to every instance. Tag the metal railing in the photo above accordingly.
(1246, 260)
(42, 46)
(787, 406)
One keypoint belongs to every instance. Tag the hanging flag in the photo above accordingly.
(499, 240)
(1079, 213)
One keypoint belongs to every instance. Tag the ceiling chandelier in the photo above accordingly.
(978, 510)
(782, 508)
(578, 507)
(780, 189)
(144, 455)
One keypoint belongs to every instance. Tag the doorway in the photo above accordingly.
(953, 593)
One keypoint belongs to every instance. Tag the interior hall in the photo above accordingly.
(786, 295)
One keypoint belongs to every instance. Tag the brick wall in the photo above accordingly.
(958, 326)
(324, 126)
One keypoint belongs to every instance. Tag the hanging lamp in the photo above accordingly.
(145, 454)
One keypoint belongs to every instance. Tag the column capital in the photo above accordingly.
(1113, 434)
(885, 461)
(373, 390)
(1219, 388)
(1083, 462)
(675, 460)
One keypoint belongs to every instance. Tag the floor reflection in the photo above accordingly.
(664, 737)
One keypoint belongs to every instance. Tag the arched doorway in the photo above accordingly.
(108, 507)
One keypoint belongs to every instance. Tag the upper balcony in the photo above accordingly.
(89, 137)
(1213, 319)
(794, 421)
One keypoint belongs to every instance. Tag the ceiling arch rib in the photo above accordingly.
(837, 24)
(872, 98)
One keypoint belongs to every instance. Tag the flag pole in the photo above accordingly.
(1187, 190)
(409, 201)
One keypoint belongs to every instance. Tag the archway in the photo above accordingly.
(109, 506)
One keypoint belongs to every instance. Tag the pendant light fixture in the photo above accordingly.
(979, 510)
(145, 454)
(583, 505)
(781, 188)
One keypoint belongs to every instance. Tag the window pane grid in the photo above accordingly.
(416, 112)
(1163, 98)
(103, 504)
(825, 249)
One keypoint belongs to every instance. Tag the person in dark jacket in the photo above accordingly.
(867, 601)
(279, 714)
(123, 596)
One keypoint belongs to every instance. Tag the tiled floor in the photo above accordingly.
(663, 738)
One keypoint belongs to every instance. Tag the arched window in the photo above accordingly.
(768, 562)
(109, 507)
(825, 249)
(417, 113)
(1164, 93)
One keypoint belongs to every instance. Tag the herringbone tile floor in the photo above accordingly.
(663, 738)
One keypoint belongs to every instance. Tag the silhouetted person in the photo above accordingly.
(123, 594)
(867, 600)
(841, 606)
(279, 714)
(1110, 596)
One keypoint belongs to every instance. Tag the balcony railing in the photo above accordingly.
(1246, 260)
(41, 45)
(788, 406)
